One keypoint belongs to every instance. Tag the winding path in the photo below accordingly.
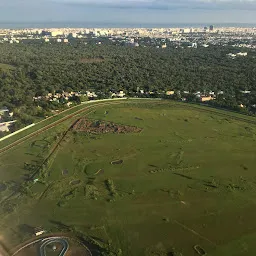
(52, 240)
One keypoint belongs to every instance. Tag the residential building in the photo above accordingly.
(120, 94)
(206, 98)
(242, 54)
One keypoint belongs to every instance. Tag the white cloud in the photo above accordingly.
(166, 4)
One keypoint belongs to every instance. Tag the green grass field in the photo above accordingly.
(188, 178)
(6, 67)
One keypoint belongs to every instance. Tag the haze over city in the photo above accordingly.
(134, 12)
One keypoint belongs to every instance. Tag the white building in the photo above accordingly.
(120, 94)
(245, 92)
(57, 33)
(91, 94)
(243, 54)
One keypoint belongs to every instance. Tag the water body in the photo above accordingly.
(21, 25)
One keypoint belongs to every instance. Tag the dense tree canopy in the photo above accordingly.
(28, 70)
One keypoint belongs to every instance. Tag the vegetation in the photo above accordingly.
(35, 69)
(186, 181)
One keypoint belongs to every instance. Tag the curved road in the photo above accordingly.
(107, 102)
(52, 240)
(47, 127)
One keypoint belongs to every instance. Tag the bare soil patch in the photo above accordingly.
(99, 127)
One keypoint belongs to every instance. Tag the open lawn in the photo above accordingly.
(6, 67)
(186, 178)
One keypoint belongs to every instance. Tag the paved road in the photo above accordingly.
(54, 240)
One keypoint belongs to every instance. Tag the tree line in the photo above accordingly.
(28, 70)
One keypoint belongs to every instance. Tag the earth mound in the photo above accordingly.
(98, 127)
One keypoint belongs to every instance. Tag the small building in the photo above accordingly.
(121, 94)
(39, 231)
(91, 94)
(169, 92)
(4, 126)
(243, 54)
(231, 55)
(206, 98)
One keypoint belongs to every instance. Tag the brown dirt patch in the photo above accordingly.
(98, 127)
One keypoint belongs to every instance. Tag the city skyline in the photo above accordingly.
(137, 12)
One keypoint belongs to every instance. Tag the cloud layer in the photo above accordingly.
(166, 4)
(129, 11)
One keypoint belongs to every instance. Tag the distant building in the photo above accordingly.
(211, 28)
(4, 127)
(194, 45)
(164, 46)
(39, 231)
(206, 98)
(46, 33)
(186, 30)
(56, 33)
(231, 55)
(121, 94)
(65, 40)
(169, 93)
(242, 54)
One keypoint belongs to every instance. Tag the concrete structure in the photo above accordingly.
(243, 54)
(120, 94)
(4, 127)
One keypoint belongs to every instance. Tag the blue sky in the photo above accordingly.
(129, 11)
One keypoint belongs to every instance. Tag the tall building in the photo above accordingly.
(211, 28)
